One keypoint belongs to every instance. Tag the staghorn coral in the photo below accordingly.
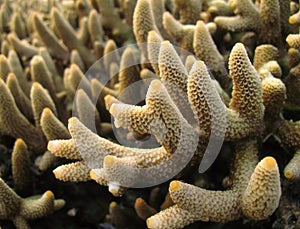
(111, 19)
(46, 48)
(119, 161)
(194, 203)
(21, 168)
(189, 11)
(262, 19)
(183, 34)
(14, 123)
(206, 50)
(292, 80)
(55, 48)
(17, 209)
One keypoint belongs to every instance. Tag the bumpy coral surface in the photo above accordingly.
(149, 113)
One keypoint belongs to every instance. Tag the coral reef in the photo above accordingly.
(149, 113)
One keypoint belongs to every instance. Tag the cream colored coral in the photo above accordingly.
(261, 19)
(86, 111)
(247, 92)
(95, 26)
(143, 22)
(293, 40)
(263, 192)
(110, 54)
(173, 217)
(274, 95)
(174, 76)
(263, 54)
(154, 117)
(128, 74)
(75, 172)
(153, 46)
(76, 59)
(216, 206)
(206, 50)
(208, 108)
(193, 203)
(64, 148)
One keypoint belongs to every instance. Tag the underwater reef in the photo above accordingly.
(158, 114)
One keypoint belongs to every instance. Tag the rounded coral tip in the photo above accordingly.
(156, 84)
(2, 58)
(200, 23)
(152, 33)
(108, 99)
(19, 143)
(198, 64)
(35, 85)
(165, 43)
(48, 194)
(46, 111)
(289, 38)
(174, 185)
(238, 46)
(269, 163)
(292, 20)
(71, 121)
(37, 60)
(52, 145)
(139, 201)
(80, 92)
(109, 161)
(289, 174)
(10, 76)
(113, 110)
(113, 205)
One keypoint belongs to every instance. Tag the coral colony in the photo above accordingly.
(211, 134)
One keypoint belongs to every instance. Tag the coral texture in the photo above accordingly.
(199, 98)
